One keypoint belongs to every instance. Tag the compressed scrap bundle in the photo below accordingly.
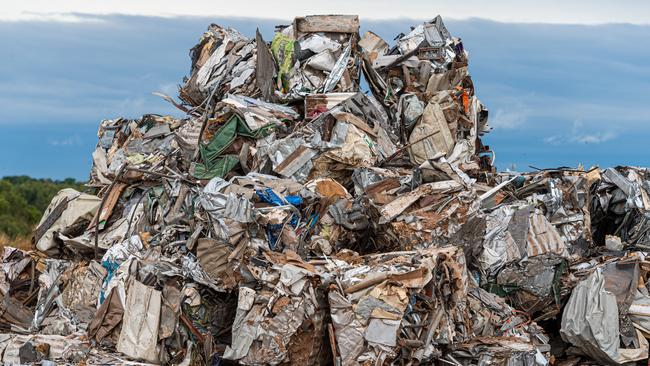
(223, 61)
(535, 224)
(284, 319)
(606, 316)
(424, 82)
(620, 204)
(316, 54)
(293, 218)
(17, 288)
(400, 306)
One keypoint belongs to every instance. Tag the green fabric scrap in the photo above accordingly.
(213, 163)
(282, 48)
(219, 168)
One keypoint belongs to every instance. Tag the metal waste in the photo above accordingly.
(327, 199)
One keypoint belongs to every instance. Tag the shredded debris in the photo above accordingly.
(292, 218)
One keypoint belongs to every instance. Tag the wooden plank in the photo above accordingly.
(356, 121)
(332, 338)
(401, 203)
(327, 23)
(265, 68)
(295, 161)
(51, 219)
(367, 283)
(317, 104)
(110, 201)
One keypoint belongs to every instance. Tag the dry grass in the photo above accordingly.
(21, 242)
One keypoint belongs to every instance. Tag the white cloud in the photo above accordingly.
(553, 140)
(74, 140)
(579, 134)
(509, 119)
(28, 16)
(593, 138)
(551, 11)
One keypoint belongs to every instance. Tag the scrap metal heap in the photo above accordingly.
(291, 218)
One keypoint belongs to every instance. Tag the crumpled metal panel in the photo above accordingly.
(591, 322)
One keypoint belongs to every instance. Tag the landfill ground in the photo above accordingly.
(327, 200)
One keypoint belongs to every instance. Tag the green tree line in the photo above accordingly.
(23, 200)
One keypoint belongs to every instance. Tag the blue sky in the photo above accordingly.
(558, 94)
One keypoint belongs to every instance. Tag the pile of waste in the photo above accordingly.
(293, 218)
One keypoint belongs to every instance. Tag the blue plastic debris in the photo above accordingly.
(269, 196)
(111, 267)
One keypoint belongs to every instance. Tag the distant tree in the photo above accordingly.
(23, 200)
